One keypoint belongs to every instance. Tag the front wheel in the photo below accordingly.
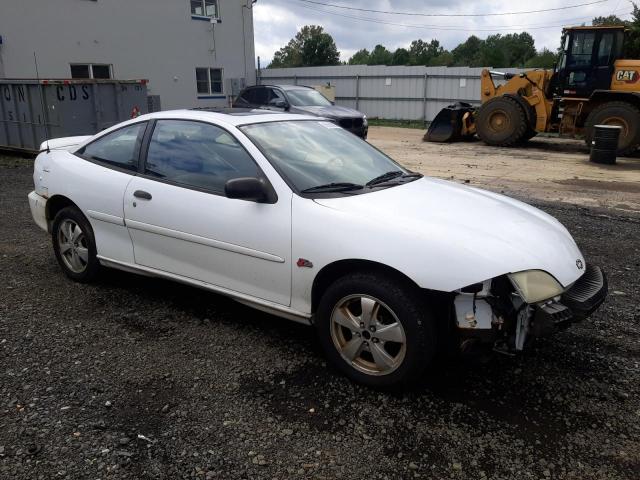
(502, 122)
(74, 245)
(376, 330)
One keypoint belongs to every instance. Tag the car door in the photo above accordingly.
(101, 175)
(181, 222)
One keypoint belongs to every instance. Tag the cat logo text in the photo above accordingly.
(628, 76)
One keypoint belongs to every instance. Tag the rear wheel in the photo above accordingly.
(621, 114)
(74, 245)
(377, 331)
(502, 122)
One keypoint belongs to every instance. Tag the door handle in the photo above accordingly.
(142, 194)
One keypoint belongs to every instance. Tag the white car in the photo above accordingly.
(295, 216)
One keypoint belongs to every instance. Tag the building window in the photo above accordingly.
(204, 8)
(209, 81)
(101, 71)
(80, 71)
(89, 70)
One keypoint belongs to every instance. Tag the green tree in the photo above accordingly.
(468, 52)
(511, 50)
(632, 43)
(361, 57)
(445, 59)
(311, 47)
(543, 59)
(492, 53)
(421, 52)
(400, 57)
(608, 20)
(380, 56)
(418, 52)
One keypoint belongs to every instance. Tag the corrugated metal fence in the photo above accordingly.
(400, 92)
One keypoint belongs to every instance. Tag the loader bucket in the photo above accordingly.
(452, 123)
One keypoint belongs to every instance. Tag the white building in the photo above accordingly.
(193, 52)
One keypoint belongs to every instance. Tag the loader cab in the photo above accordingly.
(587, 60)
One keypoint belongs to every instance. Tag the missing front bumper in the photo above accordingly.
(487, 320)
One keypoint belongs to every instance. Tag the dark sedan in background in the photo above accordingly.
(304, 100)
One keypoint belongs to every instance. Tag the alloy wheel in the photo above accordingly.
(72, 245)
(368, 335)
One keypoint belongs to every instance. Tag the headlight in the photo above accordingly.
(364, 121)
(535, 285)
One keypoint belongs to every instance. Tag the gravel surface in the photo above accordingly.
(139, 378)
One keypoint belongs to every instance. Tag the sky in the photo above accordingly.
(277, 21)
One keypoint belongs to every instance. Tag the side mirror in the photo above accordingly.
(248, 188)
(281, 104)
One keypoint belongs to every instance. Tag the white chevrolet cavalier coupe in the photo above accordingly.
(295, 216)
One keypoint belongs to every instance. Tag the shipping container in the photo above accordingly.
(32, 111)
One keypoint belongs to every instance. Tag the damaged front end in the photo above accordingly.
(507, 311)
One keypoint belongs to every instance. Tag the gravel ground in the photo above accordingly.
(140, 378)
(546, 168)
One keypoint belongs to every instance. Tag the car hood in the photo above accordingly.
(331, 111)
(470, 234)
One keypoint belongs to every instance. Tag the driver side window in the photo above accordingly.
(197, 155)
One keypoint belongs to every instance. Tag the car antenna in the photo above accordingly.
(44, 117)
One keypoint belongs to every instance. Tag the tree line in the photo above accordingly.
(513, 49)
(312, 46)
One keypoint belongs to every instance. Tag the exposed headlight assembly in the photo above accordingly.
(365, 122)
(535, 285)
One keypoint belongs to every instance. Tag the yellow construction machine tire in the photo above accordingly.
(530, 134)
(622, 114)
(502, 122)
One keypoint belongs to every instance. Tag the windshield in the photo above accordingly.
(307, 98)
(313, 153)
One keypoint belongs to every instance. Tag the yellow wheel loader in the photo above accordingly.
(591, 85)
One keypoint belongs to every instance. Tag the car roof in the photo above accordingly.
(230, 116)
(285, 87)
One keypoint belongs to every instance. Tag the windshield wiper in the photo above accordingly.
(385, 177)
(333, 187)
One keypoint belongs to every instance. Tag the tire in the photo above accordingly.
(74, 245)
(502, 122)
(529, 134)
(616, 113)
(402, 327)
(531, 122)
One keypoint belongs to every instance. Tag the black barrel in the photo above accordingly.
(605, 144)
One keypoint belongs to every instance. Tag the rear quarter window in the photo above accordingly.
(120, 148)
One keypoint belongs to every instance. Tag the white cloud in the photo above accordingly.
(277, 21)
